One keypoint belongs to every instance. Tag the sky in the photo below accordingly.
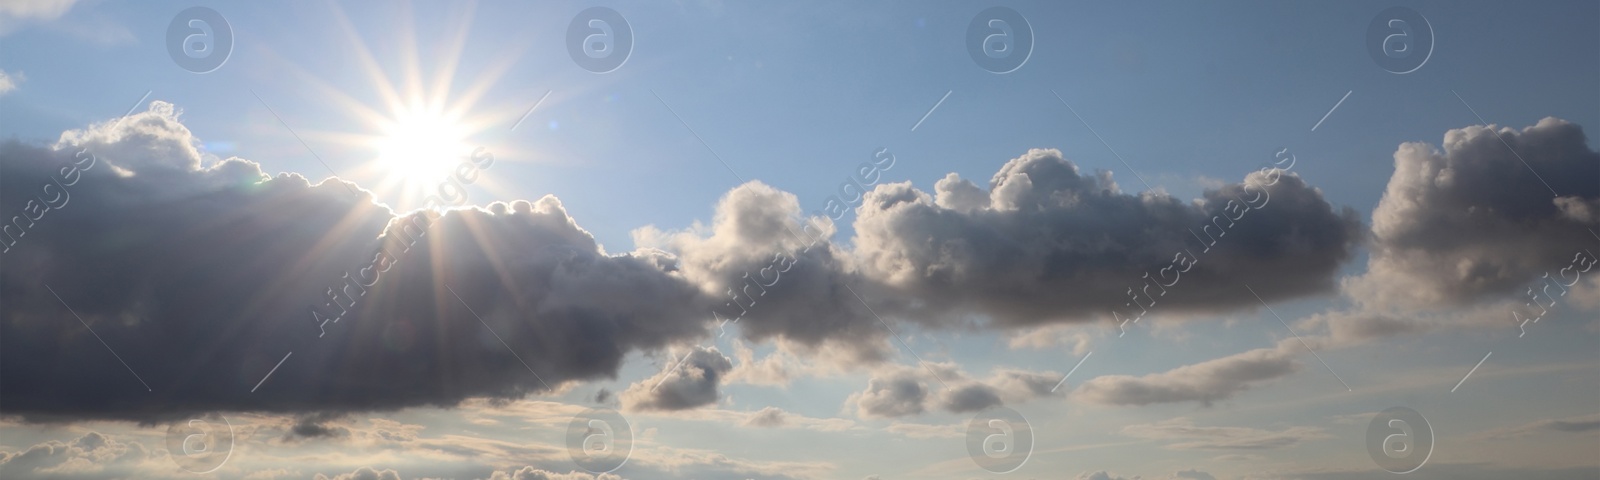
(799, 240)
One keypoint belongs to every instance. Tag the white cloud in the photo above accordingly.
(1204, 382)
(1477, 221)
(9, 81)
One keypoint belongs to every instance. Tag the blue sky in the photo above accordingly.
(1174, 99)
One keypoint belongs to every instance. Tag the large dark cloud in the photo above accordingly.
(202, 275)
(1046, 243)
(1477, 220)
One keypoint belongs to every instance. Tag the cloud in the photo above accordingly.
(316, 426)
(767, 417)
(1051, 337)
(204, 274)
(1103, 475)
(1473, 222)
(1570, 425)
(15, 12)
(1457, 471)
(92, 455)
(896, 394)
(363, 473)
(919, 430)
(1192, 474)
(693, 384)
(774, 273)
(902, 391)
(9, 81)
(1204, 382)
(1183, 434)
(969, 398)
(530, 473)
(1045, 243)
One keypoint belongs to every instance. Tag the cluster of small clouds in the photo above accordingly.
(1189, 474)
(92, 455)
(900, 391)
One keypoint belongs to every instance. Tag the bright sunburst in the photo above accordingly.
(421, 146)
(419, 131)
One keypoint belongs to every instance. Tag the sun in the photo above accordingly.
(421, 131)
(420, 146)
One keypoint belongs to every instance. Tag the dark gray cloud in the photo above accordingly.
(970, 398)
(1473, 222)
(203, 274)
(363, 473)
(316, 426)
(897, 394)
(693, 383)
(1046, 243)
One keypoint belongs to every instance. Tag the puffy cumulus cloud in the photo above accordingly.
(92, 455)
(691, 382)
(203, 274)
(1472, 221)
(904, 391)
(969, 398)
(775, 273)
(1204, 382)
(1046, 243)
(1183, 434)
(896, 394)
(363, 473)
